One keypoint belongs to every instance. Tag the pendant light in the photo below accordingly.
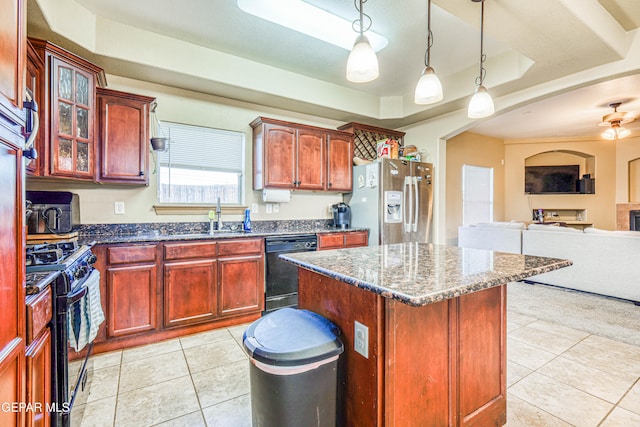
(429, 88)
(481, 104)
(362, 65)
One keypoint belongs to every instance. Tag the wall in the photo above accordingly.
(176, 105)
(628, 175)
(600, 206)
(476, 150)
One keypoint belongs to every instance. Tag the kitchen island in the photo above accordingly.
(433, 352)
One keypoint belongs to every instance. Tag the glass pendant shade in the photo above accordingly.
(481, 104)
(429, 88)
(615, 132)
(362, 65)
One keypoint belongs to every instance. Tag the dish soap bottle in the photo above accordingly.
(246, 225)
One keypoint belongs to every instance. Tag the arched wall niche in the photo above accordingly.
(634, 180)
(586, 161)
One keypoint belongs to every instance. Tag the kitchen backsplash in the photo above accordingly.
(168, 228)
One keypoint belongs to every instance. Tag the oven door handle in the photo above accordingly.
(76, 296)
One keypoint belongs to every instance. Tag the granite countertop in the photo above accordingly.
(418, 274)
(160, 236)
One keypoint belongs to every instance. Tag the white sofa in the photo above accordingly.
(604, 262)
(494, 236)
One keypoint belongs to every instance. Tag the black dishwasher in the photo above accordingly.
(282, 277)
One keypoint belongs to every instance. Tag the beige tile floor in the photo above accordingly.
(556, 376)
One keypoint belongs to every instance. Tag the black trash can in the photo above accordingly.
(294, 369)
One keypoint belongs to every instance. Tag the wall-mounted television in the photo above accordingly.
(551, 179)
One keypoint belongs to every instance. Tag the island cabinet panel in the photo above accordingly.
(360, 390)
(132, 299)
(190, 292)
(418, 355)
(441, 364)
(482, 357)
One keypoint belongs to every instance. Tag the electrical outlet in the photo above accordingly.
(276, 207)
(118, 208)
(268, 208)
(254, 208)
(330, 209)
(361, 339)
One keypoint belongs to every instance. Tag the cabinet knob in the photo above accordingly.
(330, 184)
(141, 173)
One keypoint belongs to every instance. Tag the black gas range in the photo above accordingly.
(74, 282)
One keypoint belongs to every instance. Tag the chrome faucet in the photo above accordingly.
(219, 214)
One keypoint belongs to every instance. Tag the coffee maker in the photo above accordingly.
(52, 212)
(341, 215)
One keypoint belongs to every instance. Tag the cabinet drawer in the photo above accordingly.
(240, 246)
(330, 241)
(357, 238)
(39, 311)
(190, 250)
(131, 254)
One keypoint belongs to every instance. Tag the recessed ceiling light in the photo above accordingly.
(310, 20)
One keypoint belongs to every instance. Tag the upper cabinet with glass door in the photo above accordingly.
(67, 145)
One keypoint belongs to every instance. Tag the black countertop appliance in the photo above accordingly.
(341, 215)
(52, 212)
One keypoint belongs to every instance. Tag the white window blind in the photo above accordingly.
(477, 194)
(200, 165)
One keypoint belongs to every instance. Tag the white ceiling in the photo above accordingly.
(527, 43)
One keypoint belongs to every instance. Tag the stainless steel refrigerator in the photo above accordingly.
(394, 200)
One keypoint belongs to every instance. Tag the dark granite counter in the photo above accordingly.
(161, 232)
(421, 274)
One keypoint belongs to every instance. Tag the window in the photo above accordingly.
(477, 194)
(200, 165)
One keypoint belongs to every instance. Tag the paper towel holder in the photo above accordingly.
(276, 195)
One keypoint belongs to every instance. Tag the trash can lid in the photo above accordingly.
(291, 337)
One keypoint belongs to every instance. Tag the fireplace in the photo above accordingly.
(634, 220)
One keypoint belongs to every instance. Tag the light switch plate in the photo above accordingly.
(276, 208)
(118, 208)
(361, 339)
(268, 208)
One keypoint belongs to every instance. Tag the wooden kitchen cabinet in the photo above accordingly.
(123, 141)
(35, 68)
(12, 227)
(241, 276)
(190, 292)
(300, 157)
(67, 112)
(132, 290)
(166, 290)
(38, 355)
(342, 240)
(339, 163)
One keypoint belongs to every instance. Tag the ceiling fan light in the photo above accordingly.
(362, 65)
(623, 132)
(609, 134)
(481, 104)
(429, 88)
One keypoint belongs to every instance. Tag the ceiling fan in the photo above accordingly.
(615, 121)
